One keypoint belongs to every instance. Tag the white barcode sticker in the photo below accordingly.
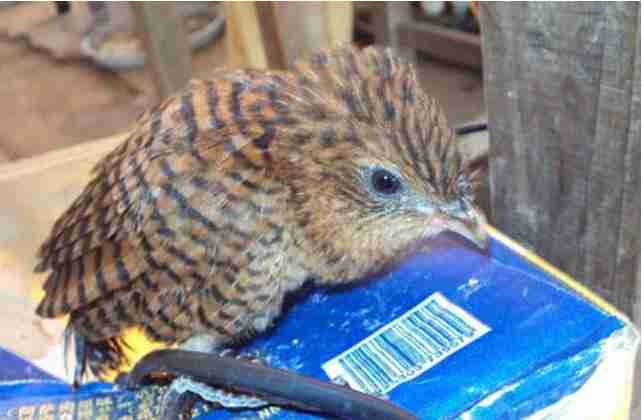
(406, 347)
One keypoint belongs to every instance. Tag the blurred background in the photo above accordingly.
(75, 72)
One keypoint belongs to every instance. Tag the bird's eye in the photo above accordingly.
(385, 182)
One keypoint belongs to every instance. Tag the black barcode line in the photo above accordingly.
(406, 347)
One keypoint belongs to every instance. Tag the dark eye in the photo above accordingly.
(385, 182)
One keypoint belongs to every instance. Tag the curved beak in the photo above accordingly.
(470, 224)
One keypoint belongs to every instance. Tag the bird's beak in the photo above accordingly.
(469, 224)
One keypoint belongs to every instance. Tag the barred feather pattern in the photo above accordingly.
(231, 193)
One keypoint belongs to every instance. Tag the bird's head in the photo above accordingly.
(373, 167)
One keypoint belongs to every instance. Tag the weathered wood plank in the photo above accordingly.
(386, 18)
(565, 140)
(308, 26)
(36, 191)
(443, 43)
(338, 17)
(268, 22)
(606, 183)
(628, 260)
(166, 45)
(252, 36)
(243, 38)
(274, 35)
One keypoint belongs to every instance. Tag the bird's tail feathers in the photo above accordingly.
(99, 358)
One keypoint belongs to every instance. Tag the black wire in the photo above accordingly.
(471, 128)
(277, 386)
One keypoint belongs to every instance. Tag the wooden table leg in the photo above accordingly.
(338, 18)
(166, 45)
(252, 39)
(253, 30)
(386, 18)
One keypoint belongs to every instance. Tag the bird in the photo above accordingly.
(240, 189)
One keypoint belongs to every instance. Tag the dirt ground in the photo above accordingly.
(49, 102)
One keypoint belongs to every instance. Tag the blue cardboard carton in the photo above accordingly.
(449, 334)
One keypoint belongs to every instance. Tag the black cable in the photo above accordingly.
(471, 128)
(277, 386)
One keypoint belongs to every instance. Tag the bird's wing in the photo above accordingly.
(154, 201)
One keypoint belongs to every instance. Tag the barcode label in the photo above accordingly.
(406, 347)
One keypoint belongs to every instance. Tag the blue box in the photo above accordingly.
(450, 334)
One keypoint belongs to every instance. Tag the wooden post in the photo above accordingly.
(252, 39)
(445, 44)
(386, 20)
(562, 86)
(311, 25)
(338, 17)
(166, 45)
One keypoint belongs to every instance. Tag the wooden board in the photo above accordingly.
(307, 26)
(386, 20)
(338, 19)
(562, 88)
(34, 192)
(268, 23)
(446, 44)
(166, 45)
(251, 36)
(563, 97)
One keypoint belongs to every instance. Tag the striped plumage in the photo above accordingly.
(240, 188)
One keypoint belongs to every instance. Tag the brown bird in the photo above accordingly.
(239, 189)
